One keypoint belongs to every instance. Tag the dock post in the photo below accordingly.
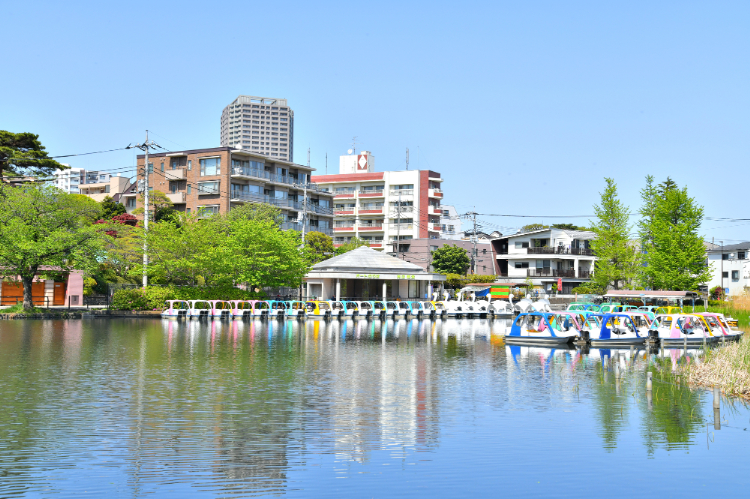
(717, 407)
(632, 355)
(649, 381)
(717, 397)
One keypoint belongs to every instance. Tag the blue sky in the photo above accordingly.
(523, 107)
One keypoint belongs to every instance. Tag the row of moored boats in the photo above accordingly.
(285, 309)
(613, 325)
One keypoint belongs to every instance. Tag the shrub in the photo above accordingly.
(155, 296)
(459, 281)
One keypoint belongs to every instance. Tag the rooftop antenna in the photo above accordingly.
(308, 156)
(407, 158)
(326, 163)
(354, 145)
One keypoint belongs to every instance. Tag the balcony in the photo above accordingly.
(372, 194)
(344, 228)
(176, 197)
(344, 193)
(241, 171)
(560, 250)
(435, 193)
(547, 272)
(321, 210)
(433, 227)
(585, 274)
(401, 226)
(403, 192)
(176, 174)
(370, 228)
(373, 211)
(434, 210)
(349, 211)
(308, 228)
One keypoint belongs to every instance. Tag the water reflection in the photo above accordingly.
(243, 407)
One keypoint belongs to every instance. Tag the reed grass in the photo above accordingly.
(727, 366)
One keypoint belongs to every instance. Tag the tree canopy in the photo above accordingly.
(23, 154)
(46, 231)
(450, 259)
(353, 243)
(617, 259)
(318, 246)
(110, 208)
(673, 252)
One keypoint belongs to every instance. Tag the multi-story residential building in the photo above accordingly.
(419, 252)
(209, 181)
(450, 223)
(94, 184)
(262, 125)
(382, 207)
(730, 267)
(546, 256)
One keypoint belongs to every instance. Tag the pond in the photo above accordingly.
(368, 408)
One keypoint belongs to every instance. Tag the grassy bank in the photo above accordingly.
(742, 316)
(727, 366)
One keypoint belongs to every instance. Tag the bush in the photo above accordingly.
(459, 281)
(155, 296)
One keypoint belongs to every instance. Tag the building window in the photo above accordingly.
(735, 275)
(151, 168)
(724, 275)
(522, 265)
(208, 210)
(725, 256)
(130, 203)
(189, 189)
(190, 165)
(210, 166)
(520, 245)
(162, 166)
(208, 188)
(740, 255)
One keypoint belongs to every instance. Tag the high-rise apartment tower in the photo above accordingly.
(262, 125)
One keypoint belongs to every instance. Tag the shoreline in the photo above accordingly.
(82, 314)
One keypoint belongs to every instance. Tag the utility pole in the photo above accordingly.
(398, 225)
(473, 214)
(722, 267)
(146, 212)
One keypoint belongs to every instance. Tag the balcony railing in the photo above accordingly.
(403, 192)
(559, 250)
(308, 228)
(545, 272)
(273, 177)
(569, 273)
(379, 192)
(401, 226)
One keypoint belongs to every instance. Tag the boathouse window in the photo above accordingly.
(522, 265)
(210, 166)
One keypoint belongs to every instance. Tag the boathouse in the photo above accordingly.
(367, 274)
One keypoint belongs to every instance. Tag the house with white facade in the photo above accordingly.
(547, 257)
(450, 223)
(730, 267)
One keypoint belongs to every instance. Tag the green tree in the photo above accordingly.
(257, 211)
(649, 199)
(530, 227)
(160, 206)
(353, 243)
(259, 253)
(42, 227)
(666, 186)
(110, 208)
(617, 259)
(673, 251)
(450, 259)
(318, 246)
(23, 154)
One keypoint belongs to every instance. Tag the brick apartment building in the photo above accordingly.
(215, 180)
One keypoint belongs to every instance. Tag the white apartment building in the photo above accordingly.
(382, 207)
(546, 256)
(450, 223)
(730, 267)
(262, 125)
(94, 184)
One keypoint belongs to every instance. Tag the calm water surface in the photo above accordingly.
(146, 407)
